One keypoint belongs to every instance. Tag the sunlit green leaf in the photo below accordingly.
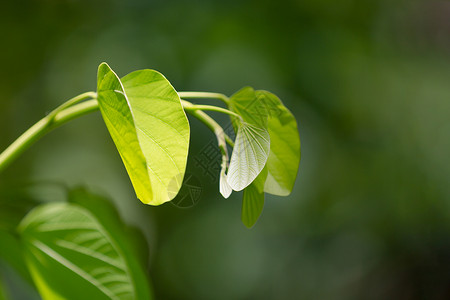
(144, 116)
(265, 110)
(284, 157)
(72, 256)
(253, 200)
(252, 143)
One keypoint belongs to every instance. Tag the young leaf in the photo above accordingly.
(144, 116)
(284, 157)
(249, 156)
(224, 187)
(252, 144)
(265, 110)
(72, 256)
(253, 200)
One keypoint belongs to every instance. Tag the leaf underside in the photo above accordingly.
(250, 153)
(252, 144)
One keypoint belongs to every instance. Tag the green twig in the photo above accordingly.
(209, 122)
(72, 109)
(56, 118)
(204, 95)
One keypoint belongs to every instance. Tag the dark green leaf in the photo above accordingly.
(71, 255)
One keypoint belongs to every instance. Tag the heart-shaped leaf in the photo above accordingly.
(147, 123)
(70, 255)
(252, 144)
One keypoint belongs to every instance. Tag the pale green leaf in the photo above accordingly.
(265, 110)
(252, 143)
(147, 123)
(72, 256)
(249, 156)
(284, 157)
(224, 187)
(253, 200)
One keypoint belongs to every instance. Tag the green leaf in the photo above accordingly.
(72, 256)
(284, 157)
(249, 156)
(265, 110)
(252, 144)
(147, 123)
(253, 200)
(105, 212)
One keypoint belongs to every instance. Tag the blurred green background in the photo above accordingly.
(369, 84)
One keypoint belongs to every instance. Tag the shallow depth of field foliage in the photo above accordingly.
(369, 216)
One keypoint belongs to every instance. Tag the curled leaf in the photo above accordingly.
(147, 123)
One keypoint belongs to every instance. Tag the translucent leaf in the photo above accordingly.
(265, 110)
(250, 153)
(72, 256)
(224, 187)
(147, 123)
(252, 143)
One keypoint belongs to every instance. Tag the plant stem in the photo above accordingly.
(189, 106)
(208, 121)
(55, 119)
(73, 101)
(204, 95)
(72, 109)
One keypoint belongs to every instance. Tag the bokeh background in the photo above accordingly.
(369, 84)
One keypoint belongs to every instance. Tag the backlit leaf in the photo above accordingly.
(252, 143)
(249, 156)
(265, 110)
(144, 116)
